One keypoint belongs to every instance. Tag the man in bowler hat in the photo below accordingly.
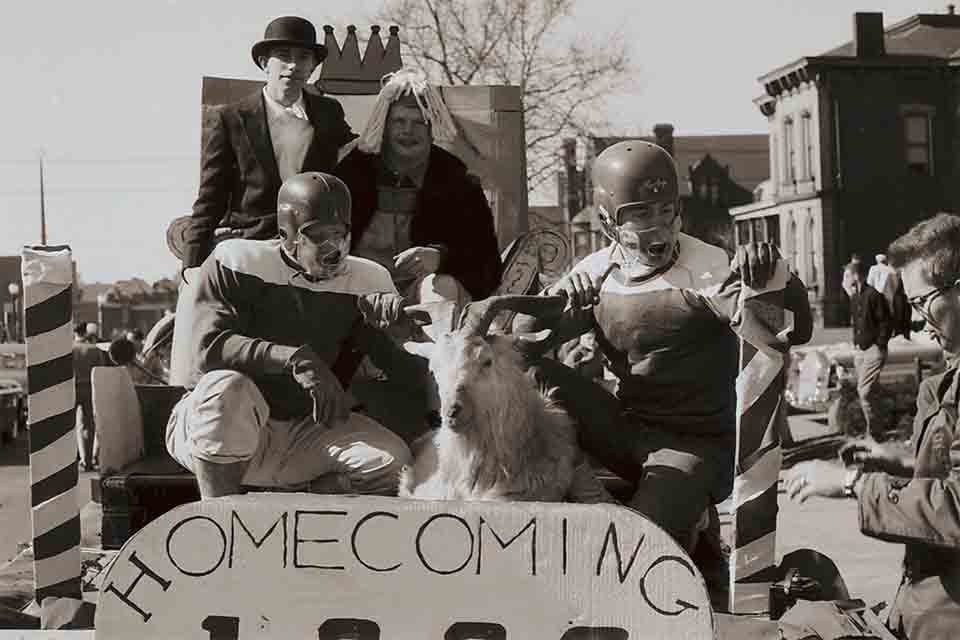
(253, 145)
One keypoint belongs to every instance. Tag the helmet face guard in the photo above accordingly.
(313, 218)
(644, 249)
(323, 257)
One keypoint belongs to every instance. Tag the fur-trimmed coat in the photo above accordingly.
(452, 212)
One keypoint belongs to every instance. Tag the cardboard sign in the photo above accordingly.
(364, 568)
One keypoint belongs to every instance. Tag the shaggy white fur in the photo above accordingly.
(501, 437)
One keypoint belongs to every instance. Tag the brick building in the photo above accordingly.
(717, 172)
(863, 144)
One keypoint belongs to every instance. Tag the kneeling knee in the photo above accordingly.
(226, 418)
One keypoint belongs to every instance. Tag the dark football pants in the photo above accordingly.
(677, 475)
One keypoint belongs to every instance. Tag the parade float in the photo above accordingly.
(293, 565)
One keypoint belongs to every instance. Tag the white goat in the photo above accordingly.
(501, 436)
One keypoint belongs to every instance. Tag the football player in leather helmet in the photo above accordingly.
(313, 216)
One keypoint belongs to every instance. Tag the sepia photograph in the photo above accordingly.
(480, 320)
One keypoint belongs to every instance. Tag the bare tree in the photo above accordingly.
(520, 42)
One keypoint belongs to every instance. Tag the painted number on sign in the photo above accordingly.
(228, 628)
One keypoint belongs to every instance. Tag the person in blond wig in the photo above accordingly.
(416, 209)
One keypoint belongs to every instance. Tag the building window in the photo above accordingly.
(791, 244)
(806, 133)
(599, 240)
(581, 243)
(811, 242)
(743, 232)
(919, 143)
(762, 229)
(774, 162)
(773, 229)
(789, 153)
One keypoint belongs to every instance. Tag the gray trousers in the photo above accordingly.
(869, 363)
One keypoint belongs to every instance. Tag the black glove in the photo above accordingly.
(382, 310)
(756, 262)
(330, 402)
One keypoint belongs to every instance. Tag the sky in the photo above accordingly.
(109, 92)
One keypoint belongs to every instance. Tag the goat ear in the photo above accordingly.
(534, 342)
(422, 349)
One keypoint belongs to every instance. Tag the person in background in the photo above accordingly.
(92, 332)
(123, 353)
(136, 337)
(86, 356)
(872, 328)
(914, 498)
(253, 145)
(884, 279)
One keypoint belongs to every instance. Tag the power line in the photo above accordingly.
(105, 189)
(101, 161)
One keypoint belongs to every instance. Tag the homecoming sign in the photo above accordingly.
(364, 568)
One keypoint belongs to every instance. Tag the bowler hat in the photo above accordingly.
(290, 31)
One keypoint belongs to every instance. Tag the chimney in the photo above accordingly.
(868, 35)
(664, 136)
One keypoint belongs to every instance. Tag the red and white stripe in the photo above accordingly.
(48, 325)
(760, 386)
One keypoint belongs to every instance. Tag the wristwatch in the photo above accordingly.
(850, 479)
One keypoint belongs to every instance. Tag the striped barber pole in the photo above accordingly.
(760, 386)
(48, 325)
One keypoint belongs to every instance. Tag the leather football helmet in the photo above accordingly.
(636, 173)
(633, 172)
(309, 199)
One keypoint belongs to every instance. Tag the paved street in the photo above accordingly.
(15, 525)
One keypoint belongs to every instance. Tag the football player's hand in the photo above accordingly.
(381, 310)
(419, 261)
(580, 288)
(330, 402)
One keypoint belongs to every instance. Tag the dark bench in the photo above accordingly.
(145, 488)
(139, 481)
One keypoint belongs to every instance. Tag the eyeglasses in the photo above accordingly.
(922, 303)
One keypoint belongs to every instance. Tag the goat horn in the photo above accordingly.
(478, 316)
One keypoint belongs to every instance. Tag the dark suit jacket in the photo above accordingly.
(870, 316)
(239, 174)
(452, 212)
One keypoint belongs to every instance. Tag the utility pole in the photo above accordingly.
(43, 212)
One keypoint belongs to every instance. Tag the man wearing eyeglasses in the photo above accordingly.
(872, 328)
(914, 499)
